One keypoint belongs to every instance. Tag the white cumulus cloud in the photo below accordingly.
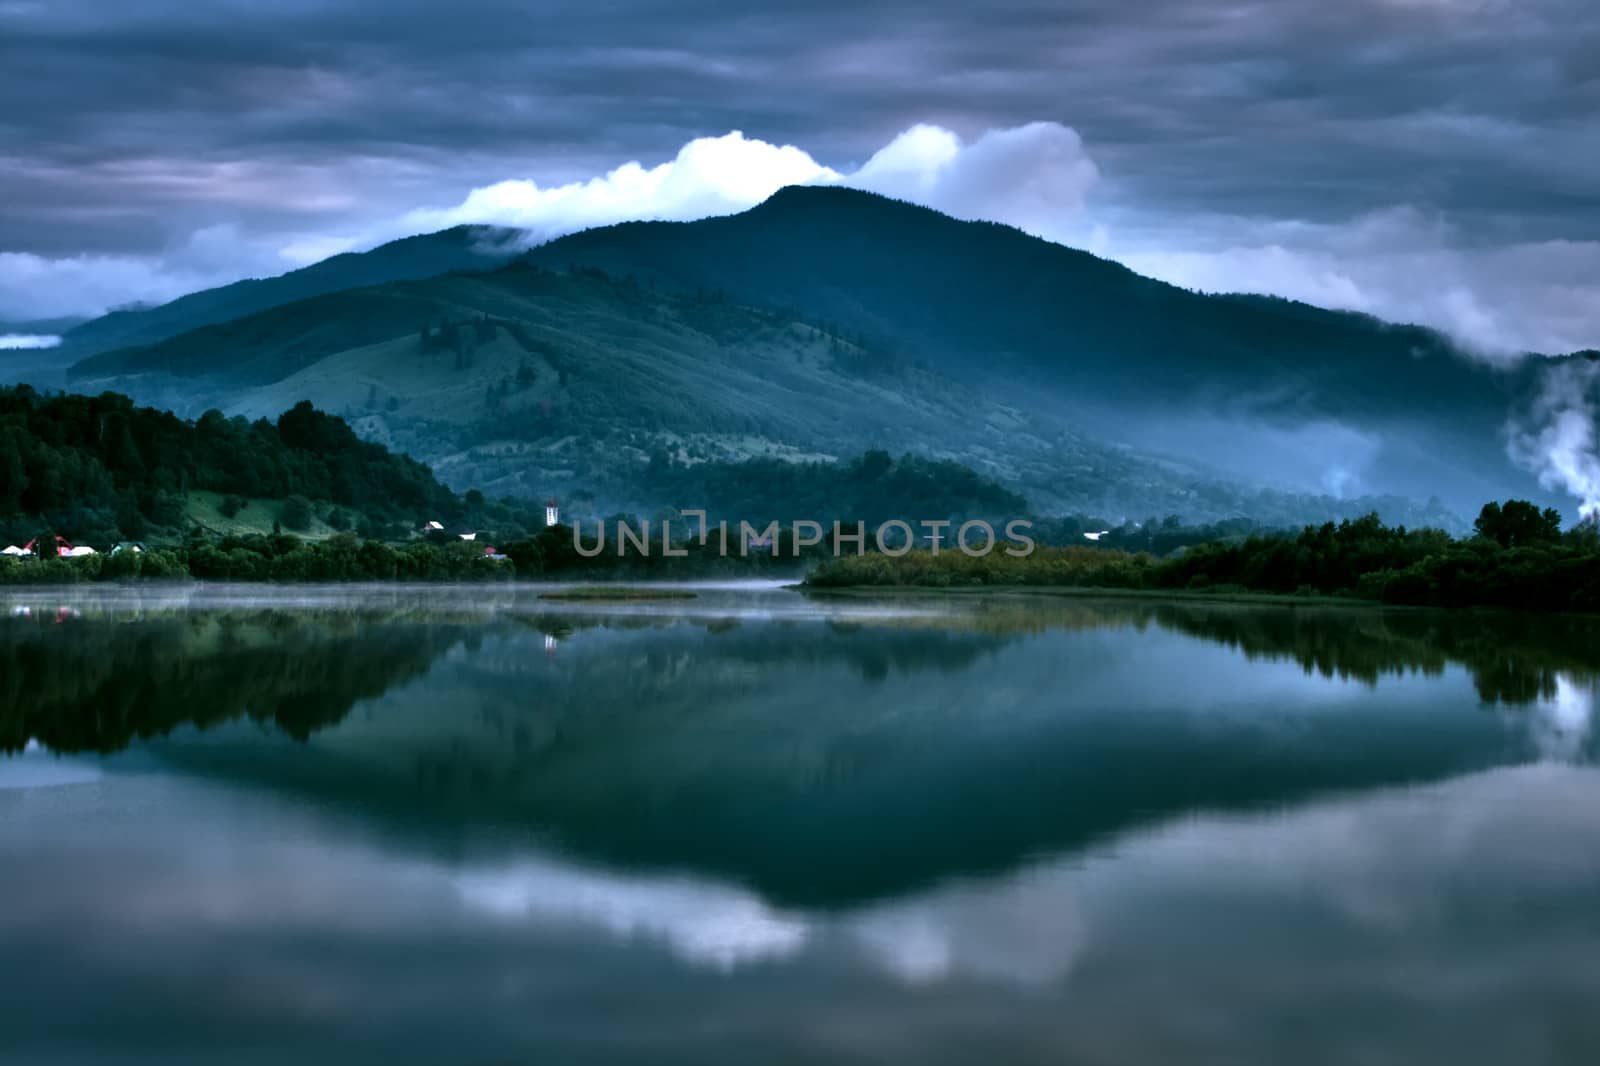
(708, 176)
(1032, 176)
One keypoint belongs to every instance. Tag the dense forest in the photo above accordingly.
(1518, 557)
(99, 468)
(872, 488)
(102, 469)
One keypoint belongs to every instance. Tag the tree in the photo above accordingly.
(296, 514)
(1517, 524)
(874, 464)
(13, 478)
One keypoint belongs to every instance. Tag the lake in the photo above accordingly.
(467, 825)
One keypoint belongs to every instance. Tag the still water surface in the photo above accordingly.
(470, 826)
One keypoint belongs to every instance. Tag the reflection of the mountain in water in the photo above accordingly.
(820, 758)
(143, 665)
(1460, 913)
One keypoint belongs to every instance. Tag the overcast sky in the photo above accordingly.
(1428, 160)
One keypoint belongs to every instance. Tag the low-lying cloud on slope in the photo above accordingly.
(28, 341)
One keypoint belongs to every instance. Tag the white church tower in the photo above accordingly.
(552, 512)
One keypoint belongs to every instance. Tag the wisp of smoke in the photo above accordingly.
(1557, 441)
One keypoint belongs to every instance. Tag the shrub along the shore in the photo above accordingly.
(278, 557)
(348, 557)
(1518, 557)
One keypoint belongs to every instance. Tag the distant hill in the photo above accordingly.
(460, 248)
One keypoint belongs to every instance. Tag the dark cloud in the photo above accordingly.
(124, 128)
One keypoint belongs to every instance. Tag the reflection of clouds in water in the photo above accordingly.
(701, 922)
(1396, 860)
(1461, 911)
(1562, 724)
(1022, 929)
(1387, 865)
(1384, 865)
(1026, 929)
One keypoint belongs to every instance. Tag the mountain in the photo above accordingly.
(826, 321)
(981, 300)
(460, 248)
(525, 380)
(1284, 391)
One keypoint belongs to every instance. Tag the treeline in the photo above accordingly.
(98, 468)
(1158, 536)
(348, 557)
(873, 488)
(1517, 557)
(274, 557)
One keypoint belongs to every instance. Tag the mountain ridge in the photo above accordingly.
(422, 255)
(1269, 392)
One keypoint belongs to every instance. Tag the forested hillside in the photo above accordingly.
(526, 381)
(1262, 389)
(100, 469)
(1517, 557)
(873, 488)
(828, 321)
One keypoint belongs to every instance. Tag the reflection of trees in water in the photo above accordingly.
(769, 752)
(99, 683)
(1514, 659)
(96, 684)
(873, 649)
(92, 685)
